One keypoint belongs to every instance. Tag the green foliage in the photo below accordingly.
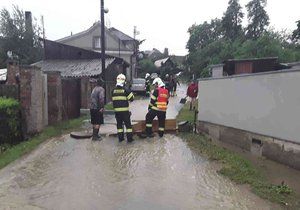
(203, 34)
(10, 121)
(185, 114)
(296, 32)
(146, 66)
(25, 147)
(258, 18)
(232, 20)
(16, 37)
(218, 40)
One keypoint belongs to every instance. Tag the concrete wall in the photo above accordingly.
(266, 103)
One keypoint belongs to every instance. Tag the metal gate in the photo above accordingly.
(71, 97)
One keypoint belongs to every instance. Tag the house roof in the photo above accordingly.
(74, 68)
(251, 59)
(160, 62)
(3, 74)
(120, 34)
(113, 32)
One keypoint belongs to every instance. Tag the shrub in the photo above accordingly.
(10, 121)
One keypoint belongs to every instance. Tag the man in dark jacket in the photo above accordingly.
(96, 108)
(120, 98)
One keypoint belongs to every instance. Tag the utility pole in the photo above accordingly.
(135, 33)
(103, 47)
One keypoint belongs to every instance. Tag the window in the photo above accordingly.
(97, 42)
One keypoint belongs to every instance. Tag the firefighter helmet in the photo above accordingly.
(121, 80)
(157, 81)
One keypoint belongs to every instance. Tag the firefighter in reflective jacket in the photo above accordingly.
(157, 107)
(120, 98)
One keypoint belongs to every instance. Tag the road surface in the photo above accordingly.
(166, 173)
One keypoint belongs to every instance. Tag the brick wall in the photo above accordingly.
(31, 96)
(13, 69)
(54, 86)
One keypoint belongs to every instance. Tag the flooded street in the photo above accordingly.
(157, 173)
(149, 174)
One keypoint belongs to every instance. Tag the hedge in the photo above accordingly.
(10, 121)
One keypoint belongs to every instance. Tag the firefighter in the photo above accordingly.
(120, 98)
(147, 83)
(157, 107)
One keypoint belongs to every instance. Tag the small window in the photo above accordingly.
(97, 42)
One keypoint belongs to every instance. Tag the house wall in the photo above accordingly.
(113, 47)
(265, 104)
(86, 41)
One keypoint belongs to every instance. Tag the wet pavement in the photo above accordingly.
(157, 173)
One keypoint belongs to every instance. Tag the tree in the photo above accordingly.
(203, 34)
(232, 20)
(19, 37)
(257, 17)
(146, 66)
(296, 32)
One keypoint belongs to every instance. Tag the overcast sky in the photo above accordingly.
(163, 23)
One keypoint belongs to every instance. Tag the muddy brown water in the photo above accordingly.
(149, 174)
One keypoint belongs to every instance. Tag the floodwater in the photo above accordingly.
(164, 173)
(158, 173)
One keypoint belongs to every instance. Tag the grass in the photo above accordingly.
(185, 114)
(239, 169)
(17, 151)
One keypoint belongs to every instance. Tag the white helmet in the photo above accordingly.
(147, 75)
(121, 80)
(158, 81)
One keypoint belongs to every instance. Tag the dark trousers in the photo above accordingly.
(124, 118)
(161, 116)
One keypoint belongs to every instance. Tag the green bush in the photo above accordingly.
(10, 121)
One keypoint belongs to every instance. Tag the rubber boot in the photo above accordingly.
(160, 133)
(129, 137)
(121, 137)
(96, 136)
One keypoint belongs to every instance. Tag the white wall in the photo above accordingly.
(267, 104)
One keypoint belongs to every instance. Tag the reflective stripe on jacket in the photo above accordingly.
(159, 99)
(120, 98)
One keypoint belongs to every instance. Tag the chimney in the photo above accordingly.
(28, 27)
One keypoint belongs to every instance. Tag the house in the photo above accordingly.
(153, 54)
(251, 65)
(247, 66)
(80, 65)
(166, 62)
(117, 44)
